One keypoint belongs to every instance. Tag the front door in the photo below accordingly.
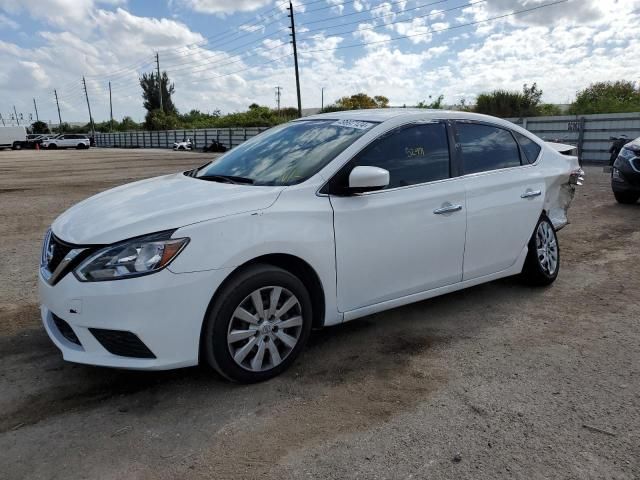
(409, 237)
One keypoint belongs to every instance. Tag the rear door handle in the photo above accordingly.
(531, 193)
(447, 208)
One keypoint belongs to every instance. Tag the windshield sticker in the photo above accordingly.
(354, 124)
(414, 152)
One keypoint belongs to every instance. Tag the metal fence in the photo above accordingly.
(229, 137)
(590, 133)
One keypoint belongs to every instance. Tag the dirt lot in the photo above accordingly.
(498, 381)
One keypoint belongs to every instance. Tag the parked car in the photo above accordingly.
(312, 223)
(12, 137)
(68, 140)
(214, 147)
(625, 174)
(184, 145)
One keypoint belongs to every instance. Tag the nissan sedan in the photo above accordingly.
(312, 223)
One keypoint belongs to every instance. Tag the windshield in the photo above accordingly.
(288, 154)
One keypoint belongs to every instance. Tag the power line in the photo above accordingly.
(369, 10)
(477, 22)
(431, 14)
(219, 55)
(374, 27)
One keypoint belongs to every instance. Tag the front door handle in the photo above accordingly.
(531, 193)
(447, 208)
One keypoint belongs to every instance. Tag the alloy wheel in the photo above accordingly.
(265, 328)
(547, 248)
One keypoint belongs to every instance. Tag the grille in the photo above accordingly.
(56, 251)
(124, 344)
(65, 330)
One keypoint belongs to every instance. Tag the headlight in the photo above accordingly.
(627, 153)
(132, 258)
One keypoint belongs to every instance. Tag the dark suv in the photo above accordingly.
(625, 175)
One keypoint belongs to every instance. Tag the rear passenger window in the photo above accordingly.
(484, 147)
(413, 155)
(530, 148)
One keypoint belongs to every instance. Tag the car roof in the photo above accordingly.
(384, 114)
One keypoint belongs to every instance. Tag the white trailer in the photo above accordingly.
(12, 137)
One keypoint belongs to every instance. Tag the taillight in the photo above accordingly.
(576, 177)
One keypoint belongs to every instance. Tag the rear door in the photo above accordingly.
(505, 195)
(409, 237)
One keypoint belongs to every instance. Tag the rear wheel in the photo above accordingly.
(543, 259)
(626, 197)
(258, 325)
(52, 145)
(17, 146)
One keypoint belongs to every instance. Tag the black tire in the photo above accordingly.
(80, 146)
(535, 271)
(16, 146)
(626, 198)
(215, 348)
(52, 146)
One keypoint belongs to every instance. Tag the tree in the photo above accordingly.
(434, 104)
(151, 94)
(505, 103)
(357, 102)
(607, 97)
(160, 120)
(39, 127)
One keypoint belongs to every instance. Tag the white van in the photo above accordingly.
(12, 137)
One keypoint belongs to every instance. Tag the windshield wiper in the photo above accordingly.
(227, 179)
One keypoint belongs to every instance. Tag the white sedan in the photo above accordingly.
(69, 140)
(312, 223)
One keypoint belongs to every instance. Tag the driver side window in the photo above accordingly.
(413, 154)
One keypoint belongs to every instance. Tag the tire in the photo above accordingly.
(540, 269)
(80, 146)
(250, 358)
(626, 198)
(16, 146)
(52, 145)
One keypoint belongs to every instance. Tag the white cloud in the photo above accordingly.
(224, 6)
(8, 23)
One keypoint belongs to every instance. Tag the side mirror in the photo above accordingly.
(366, 179)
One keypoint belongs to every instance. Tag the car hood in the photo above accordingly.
(157, 204)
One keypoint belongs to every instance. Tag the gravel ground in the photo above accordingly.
(497, 381)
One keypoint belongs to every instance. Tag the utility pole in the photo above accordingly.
(3, 124)
(322, 100)
(159, 80)
(278, 93)
(295, 56)
(59, 117)
(110, 110)
(36, 107)
(16, 114)
(86, 94)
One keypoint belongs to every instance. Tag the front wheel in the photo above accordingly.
(626, 197)
(543, 259)
(258, 324)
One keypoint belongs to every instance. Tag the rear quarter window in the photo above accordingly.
(530, 148)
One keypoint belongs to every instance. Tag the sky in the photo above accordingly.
(227, 54)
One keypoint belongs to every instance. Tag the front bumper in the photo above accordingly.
(164, 311)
